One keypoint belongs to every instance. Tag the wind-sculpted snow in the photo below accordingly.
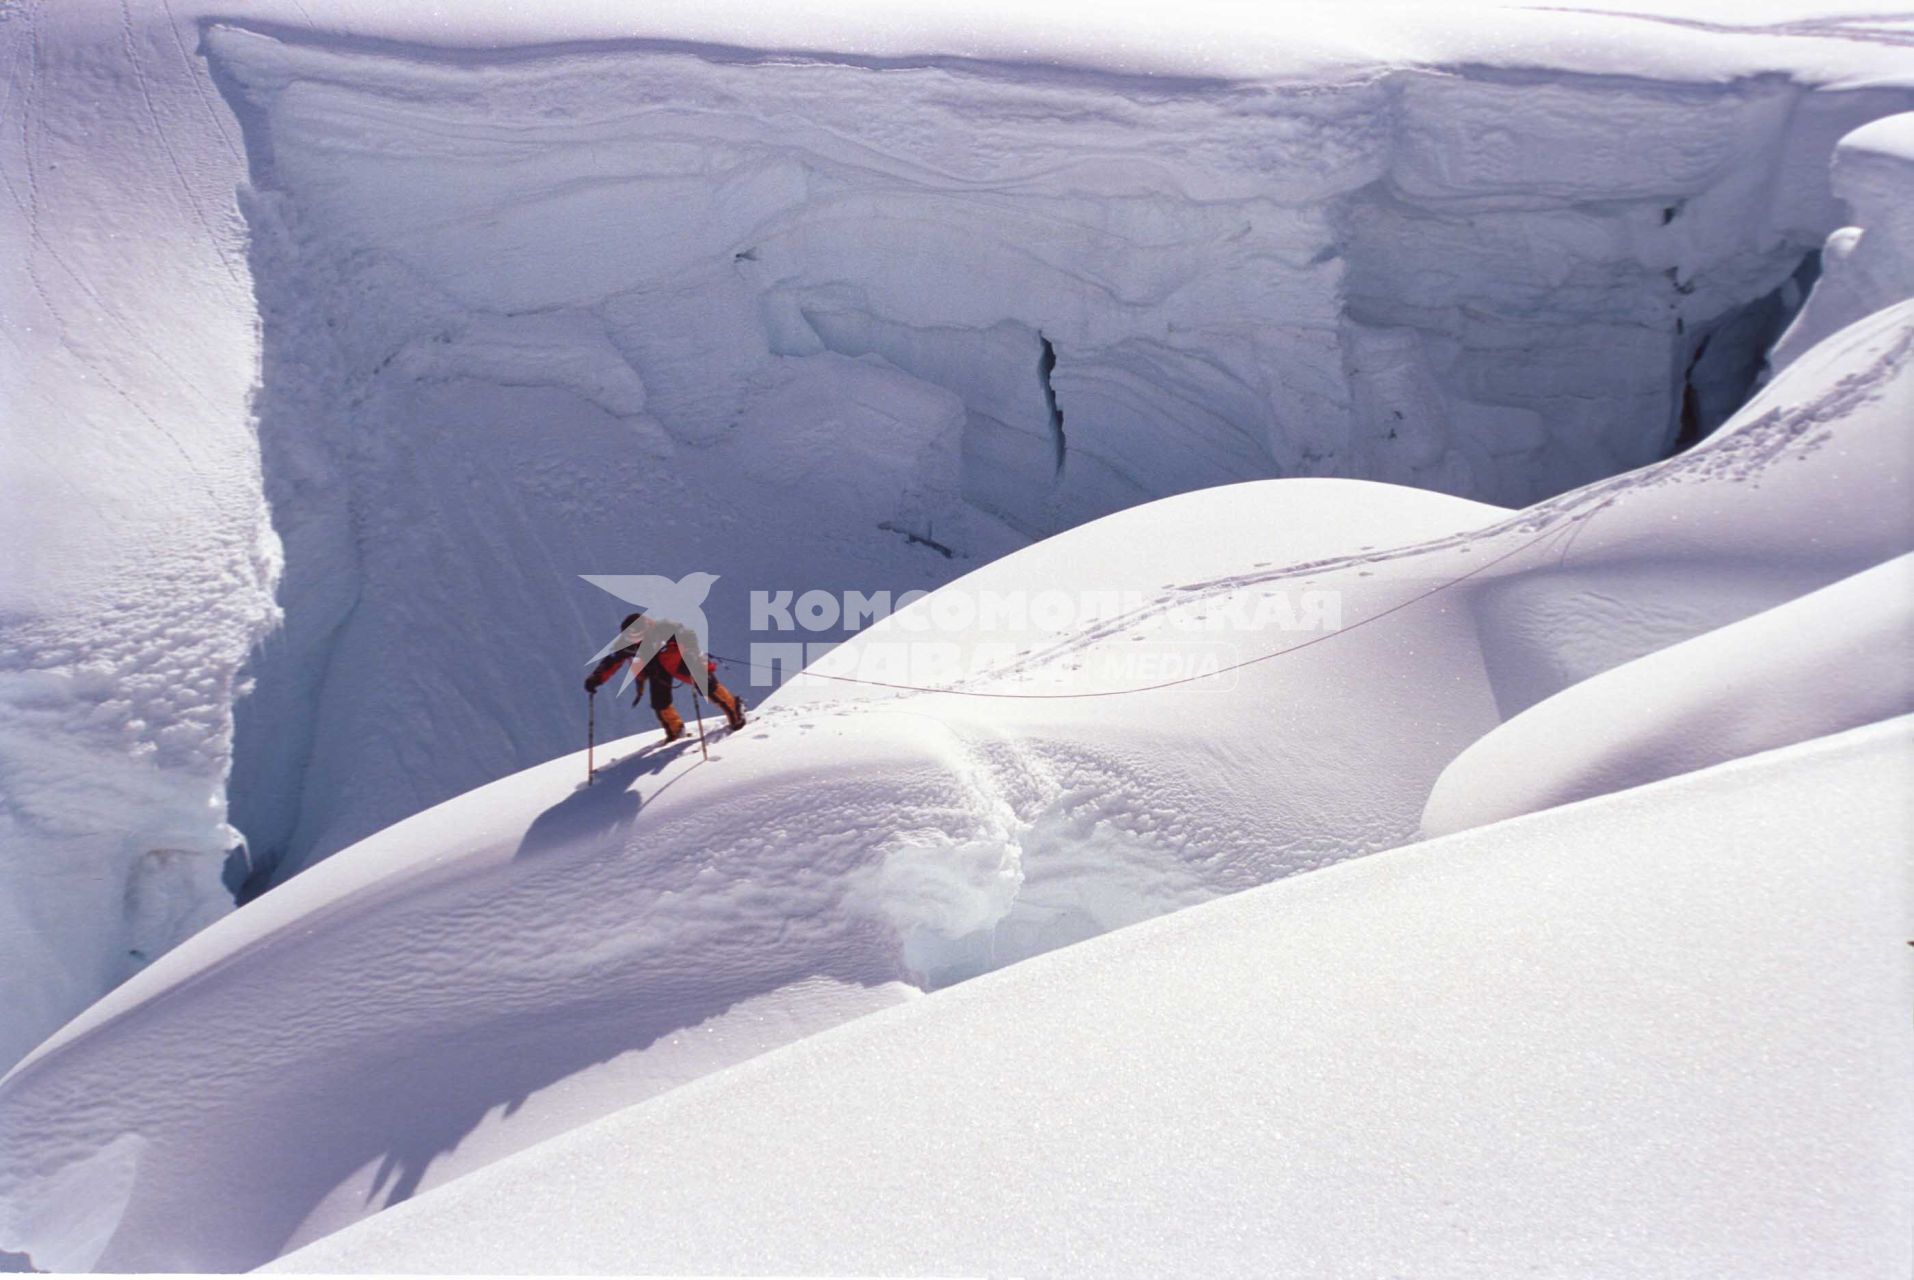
(805, 319)
(1833, 659)
(768, 294)
(136, 558)
(461, 963)
(1807, 484)
(1661, 1034)
(523, 959)
(585, 308)
(516, 961)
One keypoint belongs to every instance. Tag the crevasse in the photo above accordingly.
(645, 306)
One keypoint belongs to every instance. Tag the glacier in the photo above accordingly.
(1869, 263)
(338, 346)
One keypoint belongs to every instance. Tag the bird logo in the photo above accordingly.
(668, 611)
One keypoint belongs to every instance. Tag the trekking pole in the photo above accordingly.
(698, 701)
(591, 732)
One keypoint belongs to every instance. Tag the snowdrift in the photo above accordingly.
(600, 302)
(1662, 1033)
(340, 341)
(868, 300)
(1084, 290)
(1833, 659)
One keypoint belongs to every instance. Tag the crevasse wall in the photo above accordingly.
(1268, 277)
(137, 559)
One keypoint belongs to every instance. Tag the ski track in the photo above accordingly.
(1741, 457)
(187, 194)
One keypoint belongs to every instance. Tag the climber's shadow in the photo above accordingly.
(592, 814)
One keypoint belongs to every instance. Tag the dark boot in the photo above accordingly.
(673, 722)
(730, 703)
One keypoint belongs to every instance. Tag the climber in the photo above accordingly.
(657, 674)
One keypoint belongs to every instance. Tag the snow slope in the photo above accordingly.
(1831, 660)
(528, 957)
(1662, 1033)
(1809, 483)
(340, 339)
(532, 955)
(136, 557)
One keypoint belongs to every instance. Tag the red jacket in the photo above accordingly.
(668, 658)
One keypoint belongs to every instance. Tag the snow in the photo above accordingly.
(535, 955)
(339, 346)
(138, 564)
(1354, 278)
(1870, 264)
(526, 296)
(530, 956)
(1830, 660)
(1661, 1033)
(1890, 138)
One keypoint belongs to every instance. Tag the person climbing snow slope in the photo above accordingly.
(666, 664)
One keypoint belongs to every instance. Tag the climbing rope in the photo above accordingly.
(1399, 606)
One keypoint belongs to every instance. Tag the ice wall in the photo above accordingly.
(136, 557)
(1486, 282)
(1870, 263)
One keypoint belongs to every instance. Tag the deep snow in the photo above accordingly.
(544, 294)
(1868, 264)
(593, 306)
(530, 956)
